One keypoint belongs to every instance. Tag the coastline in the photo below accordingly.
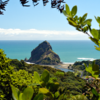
(63, 65)
(66, 65)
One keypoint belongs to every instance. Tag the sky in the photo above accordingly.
(43, 22)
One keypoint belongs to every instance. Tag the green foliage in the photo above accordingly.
(77, 73)
(5, 72)
(98, 20)
(45, 87)
(95, 33)
(82, 24)
(93, 69)
(25, 95)
(78, 97)
(36, 77)
(57, 94)
(38, 97)
(92, 90)
(45, 76)
(23, 76)
(17, 63)
(59, 73)
(15, 93)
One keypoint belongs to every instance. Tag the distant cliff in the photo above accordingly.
(43, 54)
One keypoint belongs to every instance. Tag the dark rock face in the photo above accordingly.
(25, 59)
(43, 54)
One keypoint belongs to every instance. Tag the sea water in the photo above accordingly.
(69, 51)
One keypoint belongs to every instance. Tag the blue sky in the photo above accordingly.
(43, 22)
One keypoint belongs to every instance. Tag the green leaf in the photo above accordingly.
(67, 10)
(84, 17)
(85, 28)
(94, 40)
(38, 97)
(46, 92)
(64, 12)
(27, 93)
(97, 72)
(97, 48)
(88, 22)
(74, 11)
(43, 90)
(98, 20)
(94, 92)
(53, 86)
(76, 19)
(15, 92)
(89, 68)
(72, 23)
(95, 33)
(99, 33)
(36, 77)
(95, 67)
(57, 94)
(45, 76)
(20, 96)
(80, 20)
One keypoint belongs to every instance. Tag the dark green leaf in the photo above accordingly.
(98, 20)
(94, 40)
(84, 17)
(95, 33)
(38, 97)
(45, 76)
(85, 28)
(88, 22)
(95, 67)
(99, 33)
(94, 92)
(96, 72)
(74, 11)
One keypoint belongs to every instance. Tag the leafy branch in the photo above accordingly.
(84, 25)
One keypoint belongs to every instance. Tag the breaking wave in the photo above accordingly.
(91, 59)
(68, 62)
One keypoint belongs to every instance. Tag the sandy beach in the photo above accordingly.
(62, 65)
(66, 65)
(53, 66)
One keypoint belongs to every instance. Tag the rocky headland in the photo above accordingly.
(44, 55)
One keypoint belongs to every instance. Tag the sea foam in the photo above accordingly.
(91, 59)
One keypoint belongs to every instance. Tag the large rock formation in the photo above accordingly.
(43, 54)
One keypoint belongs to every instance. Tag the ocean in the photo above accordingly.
(69, 51)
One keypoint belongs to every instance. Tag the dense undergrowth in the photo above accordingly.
(79, 65)
(54, 84)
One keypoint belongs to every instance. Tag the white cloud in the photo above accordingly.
(34, 34)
